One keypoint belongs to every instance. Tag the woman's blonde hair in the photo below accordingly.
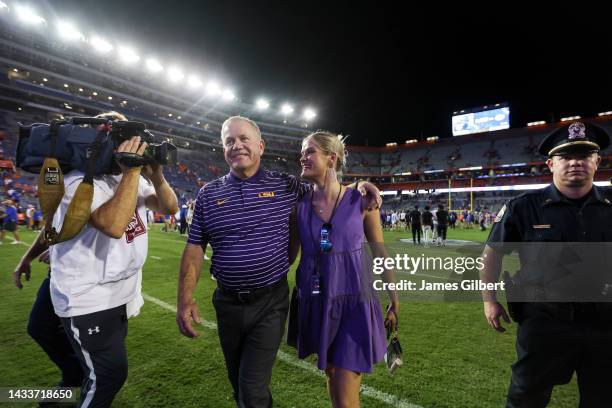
(330, 143)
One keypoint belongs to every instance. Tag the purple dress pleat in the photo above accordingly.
(344, 324)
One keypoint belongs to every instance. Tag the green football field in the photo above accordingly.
(451, 357)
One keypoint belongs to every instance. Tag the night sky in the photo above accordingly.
(379, 74)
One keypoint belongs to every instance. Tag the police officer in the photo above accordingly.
(554, 340)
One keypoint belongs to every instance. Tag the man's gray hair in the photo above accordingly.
(242, 118)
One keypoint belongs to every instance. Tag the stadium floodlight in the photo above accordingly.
(432, 138)
(28, 16)
(213, 89)
(391, 144)
(309, 114)
(608, 113)
(45, 79)
(536, 123)
(65, 85)
(194, 82)
(110, 98)
(128, 55)
(286, 109)
(262, 104)
(228, 95)
(80, 89)
(470, 168)
(568, 118)
(175, 74)
(94, 93)
(68, 31)
(410, 141)
(100, 44)
(153, 65)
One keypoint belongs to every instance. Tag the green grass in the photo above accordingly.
(452, 358)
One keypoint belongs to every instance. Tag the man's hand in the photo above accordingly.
(371, 195)
(44, 257)
(493, 311)
(153, 172)
(23, 268)
(131, 146)
(185, 316)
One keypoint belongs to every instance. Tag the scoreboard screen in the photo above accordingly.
(481, 121)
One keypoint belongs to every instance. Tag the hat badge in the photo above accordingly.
(576, 131)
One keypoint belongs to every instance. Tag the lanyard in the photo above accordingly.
(319, 252)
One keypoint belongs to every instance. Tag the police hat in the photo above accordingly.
(575, 137)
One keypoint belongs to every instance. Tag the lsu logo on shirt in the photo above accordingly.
(266, 194)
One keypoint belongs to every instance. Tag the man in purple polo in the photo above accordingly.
(244, 216)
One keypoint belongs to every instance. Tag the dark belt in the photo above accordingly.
(251, 295)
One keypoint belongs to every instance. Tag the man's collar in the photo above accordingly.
(553, 195)
(233, 179)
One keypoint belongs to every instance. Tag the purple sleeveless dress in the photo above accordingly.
(343, 324)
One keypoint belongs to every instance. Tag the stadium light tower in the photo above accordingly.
(228, 95)
(68, 31)
(28, 16)
(286, 109)
(213, 89)
(262, 104)
(175, 74)
(100, 44)
(309, 114)
(153, 65)
(194, 82)
(128, 55)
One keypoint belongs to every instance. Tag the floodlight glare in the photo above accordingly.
(175, 74)
(287, 109)
(3, 6)
(228, 95)
(153, 65)
(213, 88)
(100, 44)
(194, 82)
(309, 114)
(262, 104)
(128, 55)
(28, 16)
(67, 31)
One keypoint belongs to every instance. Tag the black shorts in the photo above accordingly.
(10, 226)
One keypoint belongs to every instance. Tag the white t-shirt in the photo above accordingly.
(94, 272)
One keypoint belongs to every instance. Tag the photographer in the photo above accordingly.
(96, 276)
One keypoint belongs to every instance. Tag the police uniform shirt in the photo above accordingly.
(546, 215)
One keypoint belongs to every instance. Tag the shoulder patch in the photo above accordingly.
(500, 214)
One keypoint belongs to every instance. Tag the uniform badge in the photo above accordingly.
(576, 131)
(266, 194)
(500, 214)
(221, 202)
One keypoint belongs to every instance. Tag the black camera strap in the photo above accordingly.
(95, 149)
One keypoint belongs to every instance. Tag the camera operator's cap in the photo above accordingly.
(575, 137)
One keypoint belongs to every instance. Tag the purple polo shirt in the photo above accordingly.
(246, 222)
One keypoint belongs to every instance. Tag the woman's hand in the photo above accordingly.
(392, 316)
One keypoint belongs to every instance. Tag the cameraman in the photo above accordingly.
(96, 276)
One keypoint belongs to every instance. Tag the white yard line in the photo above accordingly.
(366, 390)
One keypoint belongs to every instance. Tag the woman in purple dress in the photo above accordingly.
(339, 315)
